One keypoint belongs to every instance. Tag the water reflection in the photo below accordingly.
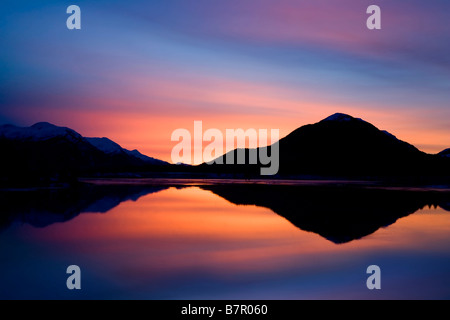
(43, 207)
(224, 242)
(338, 213)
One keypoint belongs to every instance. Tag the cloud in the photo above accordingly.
(252, 63)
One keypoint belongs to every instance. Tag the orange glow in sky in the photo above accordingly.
(226, 236)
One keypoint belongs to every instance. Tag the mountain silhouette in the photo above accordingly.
(112, 148)
(338, 147)
(347, 147)
(43, 207)
(47, 153)
(338, 213)
(445, 153)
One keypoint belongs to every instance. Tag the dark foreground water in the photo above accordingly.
(213, 241)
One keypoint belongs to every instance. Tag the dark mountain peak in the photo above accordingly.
(339, 117)
(40, 131)
(347, 147)
(445, 153)
(51, 128)
(338, 127)
(342, 119)
(45, 153)
(341, 145)
(338, 123)
(43, 125)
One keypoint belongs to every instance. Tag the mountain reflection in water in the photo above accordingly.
(223, 240)
(339, 213)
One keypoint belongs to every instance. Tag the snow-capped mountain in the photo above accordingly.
(44, 131)
(45, 152)
(38, 132)
(105, 145)
(110, 147)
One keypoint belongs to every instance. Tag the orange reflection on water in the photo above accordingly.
(183, 228)
(428, 228)
(177, 230)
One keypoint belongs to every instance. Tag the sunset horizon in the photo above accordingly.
(224, 158)
(166, 155)
(138, 72)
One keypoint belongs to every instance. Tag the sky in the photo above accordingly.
(138, 70)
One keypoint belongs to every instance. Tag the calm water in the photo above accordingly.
(206, 242)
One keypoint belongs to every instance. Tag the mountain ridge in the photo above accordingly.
(44, 153)
(42, 131)
(341, 146)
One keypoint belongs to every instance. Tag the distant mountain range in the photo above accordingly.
(348, 147)
(48, 153)
(339, 146)
(111, 148)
